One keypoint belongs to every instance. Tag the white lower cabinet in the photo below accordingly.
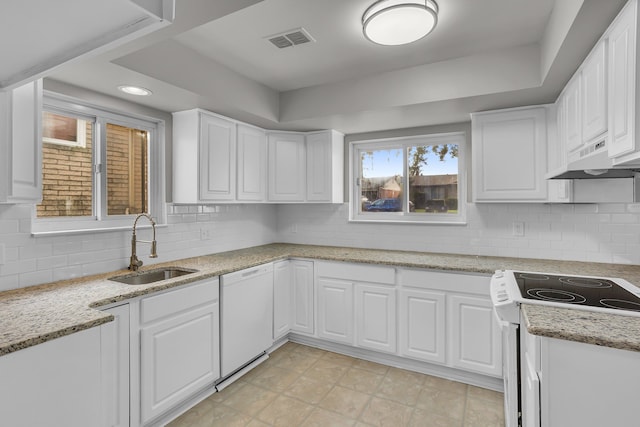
(302, 296)
(115, 367)
(375, 308)
(56, 383)
(475, 335)
(335, 310)
(422, 325)
(282, 281)
(179, 346)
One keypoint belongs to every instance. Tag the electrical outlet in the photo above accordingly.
(2, 254)
(205, 234)
(294, 227)
(518, 228)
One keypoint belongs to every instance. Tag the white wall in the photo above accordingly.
(28, 260)
(590, 232)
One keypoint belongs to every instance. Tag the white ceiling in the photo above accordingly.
(483, 54)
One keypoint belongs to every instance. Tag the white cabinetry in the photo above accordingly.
(252, 163)
(115, 362)
(56, 383)
(306, 167)
(447, 318)
(335, 310)
(302, 296)
(21, 144)
(475, 335)
(594, 93)
(422, 325)
(509, 153)
(287, 171)
(376, 317)
(179, 346)
(569, 383)
(572, 115)
(357, 304)
(325, 154)
(282, 290)
(208, 141)
(623, 97)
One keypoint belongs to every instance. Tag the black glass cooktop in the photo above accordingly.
(585, 291)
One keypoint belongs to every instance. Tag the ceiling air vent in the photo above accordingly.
(290, 38)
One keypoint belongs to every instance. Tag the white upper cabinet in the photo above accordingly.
(622, 85)
(509, 155)
(287, 167)
(572, 115)
(325, 164)
(204, 157)
(252, 163)
(594, 93)
(217, 158)
(21, 144)
(240, 163)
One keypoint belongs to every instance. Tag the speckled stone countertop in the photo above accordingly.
(33, 315)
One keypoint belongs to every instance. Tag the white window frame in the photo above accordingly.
(355, 147)
(81, 135)
(100, 220)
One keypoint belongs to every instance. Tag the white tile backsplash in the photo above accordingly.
(594, 233)
(32, 260)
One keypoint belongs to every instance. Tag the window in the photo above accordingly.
(99, 167)
(412, 179)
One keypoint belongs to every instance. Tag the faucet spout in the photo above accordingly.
(134, 262)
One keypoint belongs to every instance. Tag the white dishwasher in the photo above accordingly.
(246, 316)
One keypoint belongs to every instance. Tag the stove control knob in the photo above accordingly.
(498, 274)
(502, 296)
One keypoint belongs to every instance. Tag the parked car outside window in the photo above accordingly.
(436, 205)
(388, 205)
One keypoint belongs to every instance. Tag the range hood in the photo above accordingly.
(591, 162)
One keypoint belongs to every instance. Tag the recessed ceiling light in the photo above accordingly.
(135, 90)
(396, 22)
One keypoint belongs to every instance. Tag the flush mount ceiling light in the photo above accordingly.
(396, 22)
(134, 90)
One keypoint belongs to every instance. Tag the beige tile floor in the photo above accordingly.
(304, 386)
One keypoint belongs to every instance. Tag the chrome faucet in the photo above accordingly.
(134, 262)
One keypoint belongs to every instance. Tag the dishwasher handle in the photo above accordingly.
(247, 273)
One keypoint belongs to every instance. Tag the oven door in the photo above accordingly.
(511, 372)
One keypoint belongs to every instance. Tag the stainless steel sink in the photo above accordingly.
(151, 276)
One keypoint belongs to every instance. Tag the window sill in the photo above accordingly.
(398, 221)
(92, 230)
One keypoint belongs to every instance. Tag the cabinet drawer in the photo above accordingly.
(454, 282)
(168, 303)
(357, 272)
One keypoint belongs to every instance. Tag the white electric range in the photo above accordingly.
(510, 289)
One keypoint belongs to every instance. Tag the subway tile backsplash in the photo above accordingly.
(597, 233)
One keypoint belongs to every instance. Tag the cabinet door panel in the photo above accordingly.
(594, 94)
(302, 296)
(287, 160)
(319, 167)
(179, 356)
(475, 335)
(281, 299)
(573, 115)
(252, 161)
(335, 310)
(217, 159)
(422, 325)
(622, 83)
(115, 368)
(376, 317)
(509, 155)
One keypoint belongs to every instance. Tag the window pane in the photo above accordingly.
(66, 167)
(433, 178)
(381, 180)
(127, 172)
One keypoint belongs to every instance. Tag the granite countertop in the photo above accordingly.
(36, 314)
